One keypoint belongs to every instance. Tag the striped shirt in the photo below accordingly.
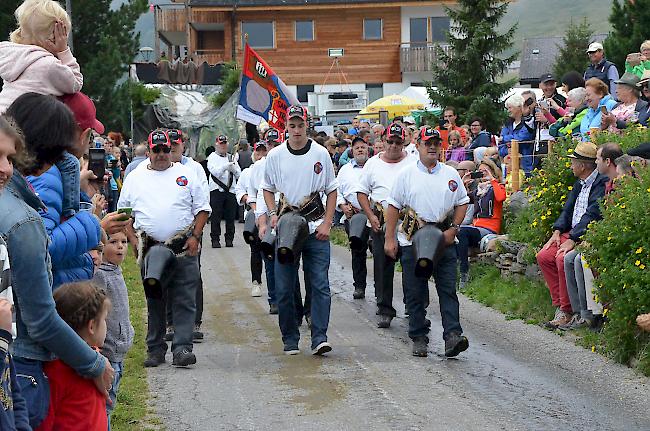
(582, 202)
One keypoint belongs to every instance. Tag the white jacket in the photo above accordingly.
(30, 68)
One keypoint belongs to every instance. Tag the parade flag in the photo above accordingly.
(263, 95)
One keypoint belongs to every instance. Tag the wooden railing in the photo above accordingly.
(210, 56)
(171, 18)
(419, 58)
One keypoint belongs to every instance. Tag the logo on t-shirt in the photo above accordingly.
(453, 185)
(318, 167)
(181, 181)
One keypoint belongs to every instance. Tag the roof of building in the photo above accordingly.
(538, 57)
(248, 3)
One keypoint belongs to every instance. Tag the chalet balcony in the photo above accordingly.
(171, 18)
(420, 57)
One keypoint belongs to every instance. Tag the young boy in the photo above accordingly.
(120, 332)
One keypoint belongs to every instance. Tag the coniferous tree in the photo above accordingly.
(629, 21)
(467, 78)
(572, 51)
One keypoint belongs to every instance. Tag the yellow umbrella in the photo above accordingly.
(396, 105)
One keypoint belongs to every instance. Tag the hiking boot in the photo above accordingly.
(420, 347)
(183, 358)
(561, 318)
(169, 334)
(597, 323)
(256, 289)
(463, 280)
(197, 335)
(384, 321)
(321, 349)
(454, 344)
(229, 244)
(216, 244)
(359, 293)
(154, 359)
(567, 326)
(273, 308)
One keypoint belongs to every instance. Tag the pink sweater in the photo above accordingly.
(30, 68)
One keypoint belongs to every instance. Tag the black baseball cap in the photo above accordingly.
(429, 133)
(395, 129)
(547, 77)
(222, 138)
(357, 139)
(273, 135)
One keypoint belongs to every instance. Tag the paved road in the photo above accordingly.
(513, 377)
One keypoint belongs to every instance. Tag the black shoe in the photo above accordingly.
(427, 322)
(420, 347)
(273, 308)
(384, 321)
(154, 359)
(308, 320)
(169, 334)
(455, 344)
(197, 335)
(359, 293)
(216, 244)
(229, 244)
(183, 358)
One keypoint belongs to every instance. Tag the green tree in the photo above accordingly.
(467, 78)
(229, 84)
(572, 51)
(630, 28)
(7, 20)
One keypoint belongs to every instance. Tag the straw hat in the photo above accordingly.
(585, 151)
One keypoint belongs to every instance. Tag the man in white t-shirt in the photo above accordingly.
(435, 192)
(177, 139)
(170, 207)
(224, 172)
(301, 170)
(376, 183)
(348, 203)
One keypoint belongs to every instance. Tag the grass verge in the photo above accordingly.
(339, 237)
(132, 412)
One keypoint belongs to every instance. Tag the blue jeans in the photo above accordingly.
(468, 236)
(70, 170)
(34, 387)
(181, 280)
(112, 393)
(316, 263)
(417, 289)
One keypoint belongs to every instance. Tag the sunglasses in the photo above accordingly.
(164, 148)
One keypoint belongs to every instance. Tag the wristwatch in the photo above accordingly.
(455, 226)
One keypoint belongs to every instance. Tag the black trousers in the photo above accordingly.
(359, 270)
(384, 270)
(224, 206)
(199, 298)
(256, 259)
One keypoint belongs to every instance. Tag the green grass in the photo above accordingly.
(339, 237)
(132, 411)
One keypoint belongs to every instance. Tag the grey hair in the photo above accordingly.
(578, 95)
(515, 101)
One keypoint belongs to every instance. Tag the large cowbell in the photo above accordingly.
(156, 261)
(359, 232)
(250, 228)
(428, 245)
(293, 231)
(268, 244)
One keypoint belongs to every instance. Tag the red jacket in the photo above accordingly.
(75, 402)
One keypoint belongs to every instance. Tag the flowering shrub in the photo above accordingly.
(630, 138)
(618, 249)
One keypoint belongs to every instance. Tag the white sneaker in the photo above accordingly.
(256, 289)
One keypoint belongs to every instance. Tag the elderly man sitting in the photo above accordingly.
(581, 208)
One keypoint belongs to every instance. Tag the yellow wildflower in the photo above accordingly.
(623, 206)
(593, 349)
(637, 263)
(639, 250)
(570, 188)
(642, 266)
(534, 223)
(605, 311)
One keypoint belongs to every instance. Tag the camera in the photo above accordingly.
(476, 175)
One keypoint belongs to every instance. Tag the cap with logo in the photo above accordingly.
(547, 77)
(584, 151)
(273, 135)
(595, 47)
(159, 137)
(83, 110)
(297, 111)
(396, 130)
(427, 133)
(261, 143)
(175, 136)
(221, 139)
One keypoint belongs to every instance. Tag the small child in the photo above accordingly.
(97, 253)
(13, 409)
(120, 332)
(38, 59)
(75, 402)
(456, 149)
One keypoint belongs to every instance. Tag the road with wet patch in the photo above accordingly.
(513, 377)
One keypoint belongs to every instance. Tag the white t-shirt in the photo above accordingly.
(412, 149)
(299, 174)
(432, 195)
(198, 172)
(255, 179)
(164, 202)
(377, 177)
(217, 165)
(241, 188)
(348, 178)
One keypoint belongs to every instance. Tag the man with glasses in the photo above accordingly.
(224, 172)
(375, 184)
(436, 194)
(150, 191)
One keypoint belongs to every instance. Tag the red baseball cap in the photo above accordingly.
(395, 129)
(83, 110)
(429, 133)
(158, 137)
(297, 111)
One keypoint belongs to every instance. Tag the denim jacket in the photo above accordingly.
(41, 333)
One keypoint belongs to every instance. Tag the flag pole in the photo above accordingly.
(236, 147)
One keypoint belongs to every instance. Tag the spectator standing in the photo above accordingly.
(638, 62)
(521, 128)
(572, 80)
(479, 140)
(456, 151)
(140, 154)
(601, 68)
(449, 124)
(224, 172)
(245, 155)
(598, 100)
(548, 85)
(581, 208)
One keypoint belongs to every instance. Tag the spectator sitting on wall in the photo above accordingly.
(598, 99)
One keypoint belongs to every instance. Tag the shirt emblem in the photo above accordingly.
(181, 181)
(453, 185)
(318, 167)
